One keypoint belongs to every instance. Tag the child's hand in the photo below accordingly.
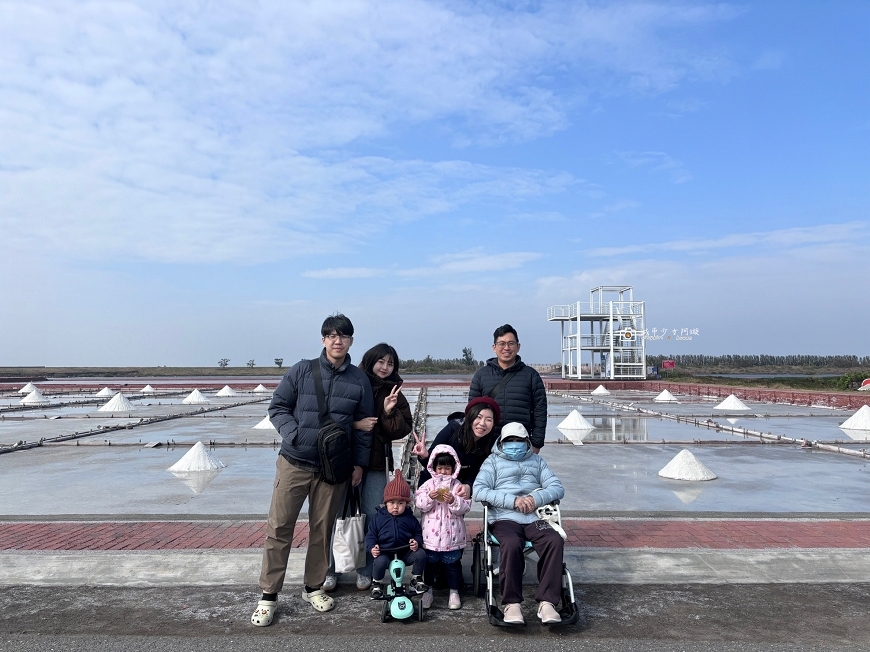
(414, 545)
(376, 551)
(449, 498)
(434, 494)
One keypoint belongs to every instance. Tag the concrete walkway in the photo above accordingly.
(612, 550)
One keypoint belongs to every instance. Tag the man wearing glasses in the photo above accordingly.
(517, 388)
(294, 413)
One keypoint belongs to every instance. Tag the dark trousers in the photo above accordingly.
(549, 546)
(416, 560)
(449, 562)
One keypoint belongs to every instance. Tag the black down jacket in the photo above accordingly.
(523, 399)
(294, 412)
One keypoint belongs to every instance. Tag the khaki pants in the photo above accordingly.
(292, 487)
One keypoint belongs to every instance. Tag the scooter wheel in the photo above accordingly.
(385, 611)
(420, 610)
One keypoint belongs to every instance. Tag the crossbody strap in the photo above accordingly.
(318, 391)
(502, 384)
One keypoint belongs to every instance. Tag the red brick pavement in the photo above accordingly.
(591, 533)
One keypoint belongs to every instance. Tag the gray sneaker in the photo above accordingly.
(363, 582)
(330, 583)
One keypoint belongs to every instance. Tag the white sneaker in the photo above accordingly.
(454, 602)
(548, 614)
(363, 582)
(427, 599)
(513, 614)
(330, 583)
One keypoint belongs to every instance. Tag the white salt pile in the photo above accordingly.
(575, 421)
(29, 387)
(227, 391)
(858, 421)
(265, 424)
(733, 404)
(105, 392)
(665, 397)
(259, 389)
(118, 404)
(195, 398)
(865, 386)
(35, 398)
(601, 390)
(686, 466)
(147, 390)
(198, 458)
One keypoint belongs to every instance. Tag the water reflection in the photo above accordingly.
(616, 429)
(197, 481)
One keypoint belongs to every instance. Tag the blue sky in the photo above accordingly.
(182, 183)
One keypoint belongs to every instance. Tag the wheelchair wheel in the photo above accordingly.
(420, 610)
(478, 580)
(385, 611)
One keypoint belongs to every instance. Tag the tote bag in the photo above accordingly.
(348, 544)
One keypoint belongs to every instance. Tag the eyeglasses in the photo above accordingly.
(506, 345)
(332, 337)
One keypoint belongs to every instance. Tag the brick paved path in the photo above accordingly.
(591, 533)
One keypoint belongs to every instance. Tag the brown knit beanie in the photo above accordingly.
(397, 489)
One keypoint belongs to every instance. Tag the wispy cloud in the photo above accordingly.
(769, 60)
(783, 238)
(657, 162)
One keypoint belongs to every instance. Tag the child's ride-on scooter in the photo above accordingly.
(398, 601)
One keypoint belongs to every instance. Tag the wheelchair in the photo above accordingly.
(484, 575)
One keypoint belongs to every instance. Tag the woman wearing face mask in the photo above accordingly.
(516, 481)
(392, 421)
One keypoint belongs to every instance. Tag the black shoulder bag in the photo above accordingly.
(333, 444)
(502, 384)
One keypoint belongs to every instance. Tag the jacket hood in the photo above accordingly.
(516, 366)
(443, 448)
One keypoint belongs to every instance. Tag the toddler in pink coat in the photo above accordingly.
(443, 525)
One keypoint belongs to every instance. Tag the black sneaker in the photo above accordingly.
(377, 591)
(418, 585)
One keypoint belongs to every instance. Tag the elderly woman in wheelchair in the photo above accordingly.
(514, 483)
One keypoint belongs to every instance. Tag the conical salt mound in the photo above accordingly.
(601, 390)
(265, 424)
(858, 421)
(665, 397)
(259, 389)
(685, 466)
(147, 390)
(29, 387)
(227, 391)
(575, 421)
(118, 404)
(198, 458)
(195, 398)
(35, 398)
(733, 404)
(105, 392)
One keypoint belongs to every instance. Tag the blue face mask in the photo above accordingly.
(514, 450)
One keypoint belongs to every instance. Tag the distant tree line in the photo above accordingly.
(430, 365)
(688, 361)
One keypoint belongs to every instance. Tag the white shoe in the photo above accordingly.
(330, 583)
(548, 614)
(454, 602)
(427, 599)
(513, 614)
(363, 582)
(264, 613)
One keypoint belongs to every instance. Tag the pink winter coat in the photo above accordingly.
(443, 525)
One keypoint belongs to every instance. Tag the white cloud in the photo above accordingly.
(847, 233)
(657, 162)
(344, 272)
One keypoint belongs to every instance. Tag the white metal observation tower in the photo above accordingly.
(603, 338)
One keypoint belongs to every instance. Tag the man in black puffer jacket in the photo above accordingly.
(294, 413)
(524, 398)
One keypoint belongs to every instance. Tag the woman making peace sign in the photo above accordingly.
(392, 421)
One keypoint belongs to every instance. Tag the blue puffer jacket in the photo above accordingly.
(501, 481)
(390, 531)
(294, 412)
